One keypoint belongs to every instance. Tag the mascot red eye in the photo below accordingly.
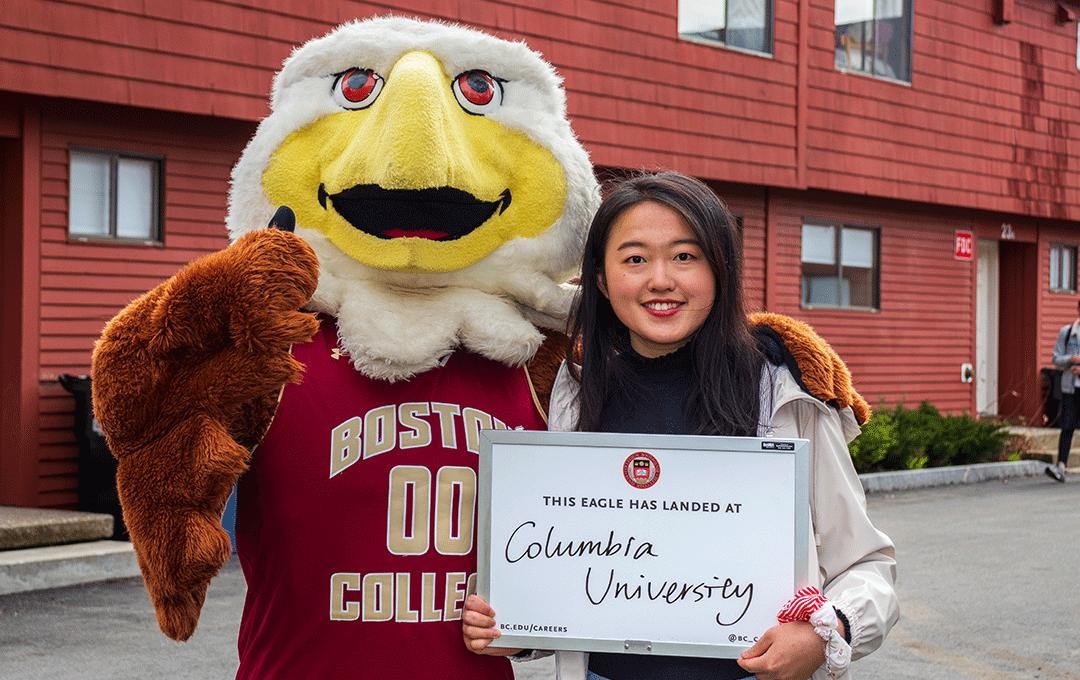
(357, 88)
(477, 91)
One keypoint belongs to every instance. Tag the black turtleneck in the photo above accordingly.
(650, 398)
(650, 393)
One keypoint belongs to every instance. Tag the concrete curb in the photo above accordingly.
(902, 480)
(65, 565)
(31, 527)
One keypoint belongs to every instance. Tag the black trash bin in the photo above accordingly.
(1051, 384)
(97, 467)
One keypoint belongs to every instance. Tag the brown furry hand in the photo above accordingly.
(185, 381)
(214, 336)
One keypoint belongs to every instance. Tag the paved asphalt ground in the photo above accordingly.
(989, 590)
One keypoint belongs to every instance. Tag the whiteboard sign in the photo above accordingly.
(648, 544)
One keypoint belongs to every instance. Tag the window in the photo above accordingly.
(839, 266)
(113, 196)
(874, 37)
(746, 24)
(1062, 268)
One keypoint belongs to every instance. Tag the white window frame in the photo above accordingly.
(156, 235)
(838, 259)
(1062, 275)
(909, 12)
(769, 28)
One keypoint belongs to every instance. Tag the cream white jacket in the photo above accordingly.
(855, 563)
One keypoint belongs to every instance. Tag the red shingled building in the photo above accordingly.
(867, 146)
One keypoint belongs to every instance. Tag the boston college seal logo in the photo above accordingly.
(641, 470)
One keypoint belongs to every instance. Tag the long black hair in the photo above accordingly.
(724, 397)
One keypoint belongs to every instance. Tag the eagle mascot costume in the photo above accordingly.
(344, 362)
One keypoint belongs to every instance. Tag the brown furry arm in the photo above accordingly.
(820, 369)
(185, 380)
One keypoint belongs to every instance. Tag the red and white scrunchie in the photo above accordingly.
(811, 606)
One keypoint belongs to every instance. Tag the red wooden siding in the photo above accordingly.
(986, 121)
(984, 124)
(639, 96)
(195, 56)
(912, 347)
(749, 204)
(82, 285)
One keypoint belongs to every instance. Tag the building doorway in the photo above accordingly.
(1018, 388)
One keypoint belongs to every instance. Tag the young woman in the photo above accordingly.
(666, 347)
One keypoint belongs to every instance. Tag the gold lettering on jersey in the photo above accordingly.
(404, 612)
(473, 421)
(455, 508)
(388, 596)
(428, 611)
(414, 424)
(446, 423)
(408, 517)
(378, 597)
(380, 430)
(416, 433)
(455, 595)
(345, 446)
(340, 610)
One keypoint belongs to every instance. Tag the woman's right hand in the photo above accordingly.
(478, 628)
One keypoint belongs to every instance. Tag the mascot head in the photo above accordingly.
(434, 172)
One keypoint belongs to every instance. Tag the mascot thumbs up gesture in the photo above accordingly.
(439, 197)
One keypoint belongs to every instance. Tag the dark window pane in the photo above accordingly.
(858, 287)
(820, 284)
(1069, 267)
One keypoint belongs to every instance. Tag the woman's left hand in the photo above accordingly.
(789, 651)
(478, 628)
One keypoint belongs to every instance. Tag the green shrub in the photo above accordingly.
(910, 439)
(873, 445)
(915, 430)
(965, 440)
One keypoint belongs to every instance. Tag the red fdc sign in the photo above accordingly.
(964, 245)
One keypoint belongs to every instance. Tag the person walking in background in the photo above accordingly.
(1067, 358)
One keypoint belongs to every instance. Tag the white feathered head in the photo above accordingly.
(433, 169)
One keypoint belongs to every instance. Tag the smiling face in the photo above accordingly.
(656, 278)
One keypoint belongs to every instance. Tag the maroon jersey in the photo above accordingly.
(356, 522)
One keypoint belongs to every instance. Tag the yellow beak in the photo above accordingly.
(414, 181)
